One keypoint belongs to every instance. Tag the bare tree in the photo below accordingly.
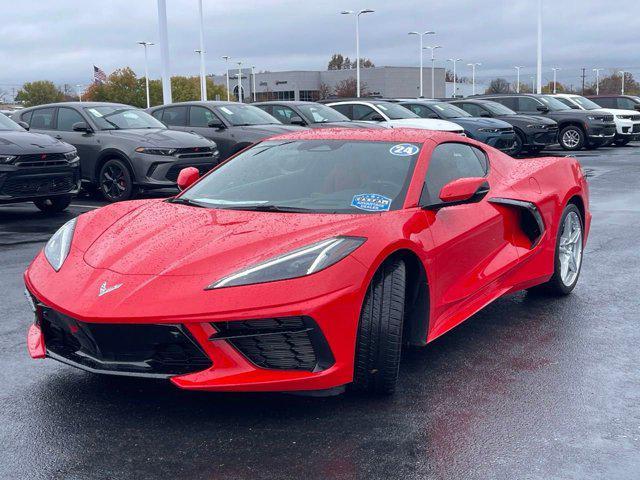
(324, 91)
(498, 85)
(348, 88)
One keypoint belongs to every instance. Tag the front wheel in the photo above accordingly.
(115, 181)
(379, 340)
(54, 204)
(518, 145)
(572, 138)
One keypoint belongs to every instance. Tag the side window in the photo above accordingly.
(42, 119)
(66, 118)
(471, 109)
(266, 108)
(346, 110)
(283, 113)
(450, 161)
(175, 116)
(421, 110)
(26, 117)
(527, 104)
(157, 114)
(201, 116)
(363, 112)
(509, 102)
(626, 104)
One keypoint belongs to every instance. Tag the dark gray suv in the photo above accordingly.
(121, 148)
(232, 125)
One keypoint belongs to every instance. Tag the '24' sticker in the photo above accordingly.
(404, 150)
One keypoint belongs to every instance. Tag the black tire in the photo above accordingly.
(574, 133)
(555, 285)
(54, 204)
(621, 142)
(115, 182)
(518, 145)
(379, 341)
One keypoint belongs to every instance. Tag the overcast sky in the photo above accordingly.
(61, 40)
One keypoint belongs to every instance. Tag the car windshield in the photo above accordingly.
(446, 110)
(310, 176)
(121, 118)
(553, 103)
(497, 108)
(585, 103)
(243, 115)
(7, 124)
(395, 111)
(322, 114)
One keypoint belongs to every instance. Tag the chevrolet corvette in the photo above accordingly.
(306, 262)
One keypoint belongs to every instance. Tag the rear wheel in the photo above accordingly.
(572, 138)
(379, 341)
(115, 182)
(54, 204)
(518, 144)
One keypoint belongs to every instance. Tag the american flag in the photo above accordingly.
(98, 75)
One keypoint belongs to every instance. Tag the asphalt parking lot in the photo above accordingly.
(530, 388)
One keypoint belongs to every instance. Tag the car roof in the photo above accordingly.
(211, 103)
(79, 105)
(285, 102)
(375, 135)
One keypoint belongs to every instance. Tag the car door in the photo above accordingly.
(87, 143)
(199, 122)
(473, 241)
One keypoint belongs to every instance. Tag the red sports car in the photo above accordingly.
(305, 262)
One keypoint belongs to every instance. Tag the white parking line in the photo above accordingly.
(92, 207)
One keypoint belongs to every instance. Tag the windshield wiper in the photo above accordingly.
(268, 208)
(186, 201)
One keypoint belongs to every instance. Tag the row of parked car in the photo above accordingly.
(48, 152)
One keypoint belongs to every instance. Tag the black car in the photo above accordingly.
(232, 125)
(622, 102)
(121, 148)
(37, 168)
(578, 129)
(310, 114)
(533, 133)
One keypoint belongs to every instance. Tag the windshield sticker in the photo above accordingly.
(226, 110)
(371, 202)
(404, 150)
(94, 112)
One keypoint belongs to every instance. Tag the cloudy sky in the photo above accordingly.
(61, 40)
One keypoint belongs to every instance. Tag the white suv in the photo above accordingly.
(390, 115)
(627, 121)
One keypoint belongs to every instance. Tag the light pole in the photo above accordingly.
(433, 67)
(454, 61)
(518, 67)
(598, 70)
(226, 61)
(203, 75)
(473, 76)
(146, 68)
(357, 14)
(253, 82)
(533, 84)
(555, 71)
(539, 63)
(79, 92)
(421, 35)
(164, 51)
(240, 82)
(622, 74)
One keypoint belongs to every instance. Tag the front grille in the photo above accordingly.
(174, 170)
(636, 128)
(154, 350)
(41, 160)
(16, 186)
(194, 152)
(635, 117)
(286, 343)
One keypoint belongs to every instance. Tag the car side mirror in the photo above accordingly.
(637, 107)
(23, 124)
(296, 120)
(376, 118)
(575, 107)
(542, 108)
(216, 124)
(81, 127)
(461, 190)
(485, 115)
(187, 177)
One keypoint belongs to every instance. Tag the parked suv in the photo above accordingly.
(36, 168)
(121, 147)
(627, 121)
(495, 133)
(624, 102)
(578, 129)
(533, 133)
(232, 125)
(310, 114)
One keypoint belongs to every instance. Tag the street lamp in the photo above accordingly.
(146, 68)
(421, 35)
(226, 60)
(533, 84)
(622, 74)
(203, 77)
(518, 67)
(240, 82)
(473, 76)
(357, 14)
(539, 62)
(79, 92)
(454, 61)
(253, 82)
(555, 70)
(163, 38)
(433, 63)
(598, 70)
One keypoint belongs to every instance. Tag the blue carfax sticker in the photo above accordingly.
(371, 202)
(404, 150)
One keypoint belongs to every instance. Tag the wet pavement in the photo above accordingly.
(530, 388)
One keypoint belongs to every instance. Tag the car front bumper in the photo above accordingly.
(600, 133)
(503, 141)
(160, 171)
(26, 183)
(541, 137)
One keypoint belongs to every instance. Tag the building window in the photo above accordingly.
(309, 95)
(288, 95)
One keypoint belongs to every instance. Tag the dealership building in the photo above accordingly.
(392, 82)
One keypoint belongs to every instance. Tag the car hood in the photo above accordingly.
(23, 143)
(161, 137)
(480, 122)
(425, 123)
(270, 129)
(616, 111)
(162, 238)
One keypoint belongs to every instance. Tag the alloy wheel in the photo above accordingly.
(570, 249)
(114, 182)
(571, 138)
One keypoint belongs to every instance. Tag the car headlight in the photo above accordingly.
(58, 246)
(156, 151)
(623, 117)
(7, 159)
(71, 155)
(533, 125)
(596, 118)
(489, 130)
(297, 263)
